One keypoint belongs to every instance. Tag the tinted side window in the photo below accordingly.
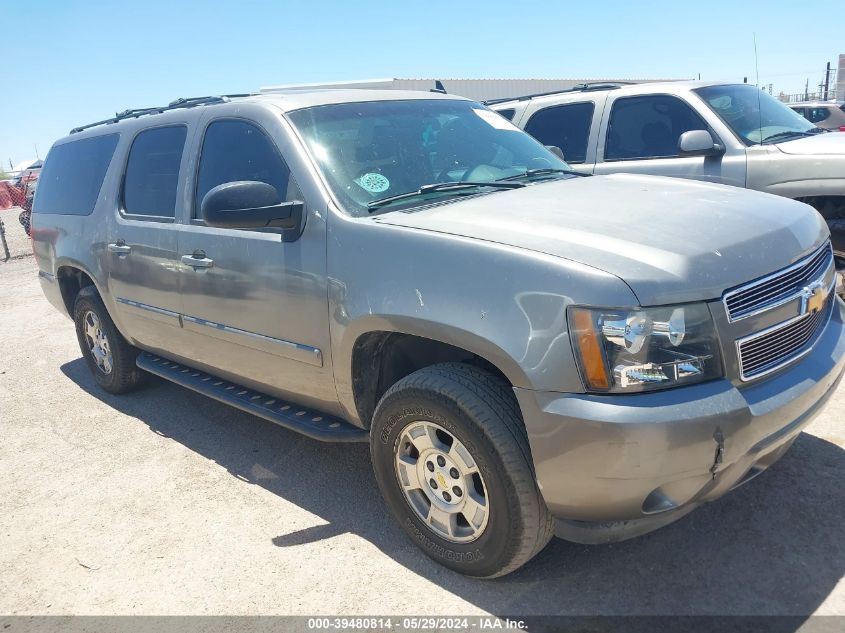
(648, 127)
(567, 126)
(236, 150)
(816, 115)
(73, 174)
(152, 172)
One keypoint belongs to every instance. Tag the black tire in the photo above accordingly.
(480, 410)
(837, 236)
(124, 374)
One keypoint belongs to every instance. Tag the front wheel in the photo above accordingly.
(451, 458)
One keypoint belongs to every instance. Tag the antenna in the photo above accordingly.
(757, 84)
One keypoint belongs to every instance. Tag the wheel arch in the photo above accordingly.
(72, 277)
(382, 351)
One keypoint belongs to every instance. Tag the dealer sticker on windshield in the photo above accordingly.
(373, 182)
(496, 120)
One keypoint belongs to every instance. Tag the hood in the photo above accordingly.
(670, 240)
(829, 143)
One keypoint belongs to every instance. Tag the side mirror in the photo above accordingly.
(698, 143)
(554, 149)
(248, 204)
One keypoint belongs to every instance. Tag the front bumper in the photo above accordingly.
(616, 466)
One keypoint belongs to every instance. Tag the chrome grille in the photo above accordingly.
(778, 288)
(766, 351)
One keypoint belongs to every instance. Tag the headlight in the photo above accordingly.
(644, 348)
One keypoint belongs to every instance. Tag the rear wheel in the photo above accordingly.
(452, 461)
(109, 356)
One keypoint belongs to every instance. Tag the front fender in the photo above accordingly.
(504, 304)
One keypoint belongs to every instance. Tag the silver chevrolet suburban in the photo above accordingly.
(733, 134)
(528, 351)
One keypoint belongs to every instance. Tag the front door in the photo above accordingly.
(140, 255)
(254, 307)
(641, 136)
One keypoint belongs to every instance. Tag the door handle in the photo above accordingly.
(120, 248)
(197, 260)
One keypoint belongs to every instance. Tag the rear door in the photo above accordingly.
(255, 307)
(640, 135)
(140, 255)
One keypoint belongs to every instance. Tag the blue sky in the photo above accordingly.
(67, 63)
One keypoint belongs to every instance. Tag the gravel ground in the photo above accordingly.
(164, 502)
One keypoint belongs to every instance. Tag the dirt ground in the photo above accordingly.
(165, 502)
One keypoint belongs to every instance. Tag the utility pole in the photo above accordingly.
(807, 89)
(826, 81)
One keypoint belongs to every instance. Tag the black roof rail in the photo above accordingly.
(181, 102)
(582, 87)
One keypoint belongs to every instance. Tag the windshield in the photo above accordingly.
(375, 150)
(753, 115)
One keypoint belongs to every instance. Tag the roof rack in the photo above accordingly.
(583, 87)
(181, 102)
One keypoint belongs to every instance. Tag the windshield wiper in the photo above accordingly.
(529, 173)
(440, 186)
(785, 134)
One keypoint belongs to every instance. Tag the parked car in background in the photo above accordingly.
(825, 114)
(732, 134)
(528, 351)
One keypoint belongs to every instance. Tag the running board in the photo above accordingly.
(314, 424)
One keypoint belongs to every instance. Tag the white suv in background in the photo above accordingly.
(827, 114)
(734, 134)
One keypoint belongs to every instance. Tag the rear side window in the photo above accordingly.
(152, 172)
(237, 150)
(73, 175)
(649, 127)
(566, 126)
(817, 115)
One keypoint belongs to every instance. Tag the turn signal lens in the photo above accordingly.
(589, 349)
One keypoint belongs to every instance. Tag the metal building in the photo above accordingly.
(478, 89)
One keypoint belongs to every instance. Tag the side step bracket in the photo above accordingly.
(314, 424)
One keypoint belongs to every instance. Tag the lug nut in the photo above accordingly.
(440, 461)
(433, 483)
(447, 496)
(457, 491)
(454, 473)
(430, 466)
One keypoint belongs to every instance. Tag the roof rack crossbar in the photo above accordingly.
(181, 102)
(583, 87)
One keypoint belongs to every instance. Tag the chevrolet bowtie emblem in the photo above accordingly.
(813, 297)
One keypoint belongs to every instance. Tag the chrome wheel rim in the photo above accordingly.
(441, 482)
(98, 343)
